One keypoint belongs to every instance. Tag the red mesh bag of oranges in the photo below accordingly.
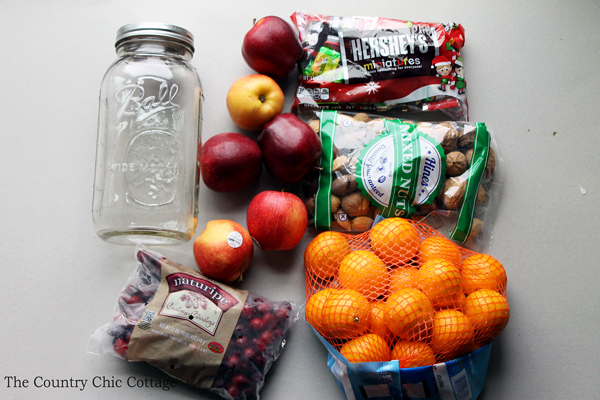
(402, 291)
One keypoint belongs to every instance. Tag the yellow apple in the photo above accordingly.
(254, 100)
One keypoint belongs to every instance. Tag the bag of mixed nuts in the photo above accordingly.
(442, 173)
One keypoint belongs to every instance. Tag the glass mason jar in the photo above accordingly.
(149, 135)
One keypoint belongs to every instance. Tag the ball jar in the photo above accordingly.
(149, 136)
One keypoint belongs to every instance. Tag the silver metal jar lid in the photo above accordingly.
(155, 29)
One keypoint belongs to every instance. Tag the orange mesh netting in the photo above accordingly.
(401, 291)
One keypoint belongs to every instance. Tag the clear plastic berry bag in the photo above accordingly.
(197, 330)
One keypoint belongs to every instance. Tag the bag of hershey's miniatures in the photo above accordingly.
(197, 330)
(442, 173)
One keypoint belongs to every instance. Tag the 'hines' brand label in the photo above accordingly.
(197, 301)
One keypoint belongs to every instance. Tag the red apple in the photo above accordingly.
(272, 47)
(230, 162)
(276, 220)
(290, 147)
(223, 250)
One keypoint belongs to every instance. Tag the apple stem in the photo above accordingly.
(253, 21)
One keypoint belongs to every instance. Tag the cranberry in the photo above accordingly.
(133, 299)
(240, 380)
(247, 311)
(259, 300)
(242, 342)
(120, 346)
(267, 337)
(264, 308)
(259, 360)
(277, 333)
(249, 353)
(257, 325)
(259, 344)
(234, 391)
(269, 321)
(282, 315)
(233, 361)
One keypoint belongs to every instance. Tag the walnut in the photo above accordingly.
(355, 204)
(362, 223)
(361, 117)
(444, 133)
(454, 192)
(343, 185)
(491, 164)
(343, 219)
(475, 228)
(451, 136)
(467, 139)
(339, 163)
(456, 163)
(335, 203)
(315, 124)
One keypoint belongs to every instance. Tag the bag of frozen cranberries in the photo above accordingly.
(195, 329)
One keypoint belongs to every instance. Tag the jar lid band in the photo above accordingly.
(155, 29)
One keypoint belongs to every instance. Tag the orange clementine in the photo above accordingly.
(489, 312)
(409, 314)
(366, 348)
(324, 254)
(313, 311)
(364, 272)
(403, 277)
(452, 334)
(377, 319)
(345, 314)
(441, 281)
(481, 271)
(395, 240)
(413, 354)
(439, 247)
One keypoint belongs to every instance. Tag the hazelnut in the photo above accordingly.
(475, 228)
(315, 124)
(355, 204)
(343, 219)
(343, 185)
(362, 223)
(480, 194)
(339, 163)
(335, 203)
(454, 192)
(310, 204)
(361, 117)
(456, 163)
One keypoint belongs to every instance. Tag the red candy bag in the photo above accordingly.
(380, 64)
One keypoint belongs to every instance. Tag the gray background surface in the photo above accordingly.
(533, 76)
